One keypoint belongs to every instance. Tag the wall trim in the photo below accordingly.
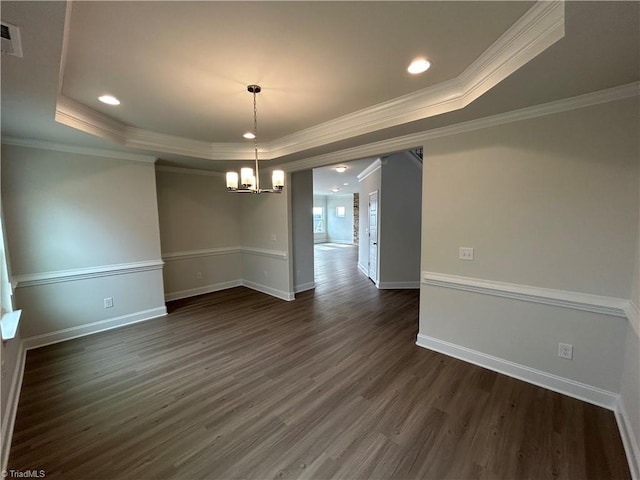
(374, 167)
(192, 292)
(207, 252)
(303, 287)
(535, 31)
(281, 294)
(278, 254)
(630, 442)
(558, 298)
(33, 279)
(210, 252)
(38, 341)
(633, 314)
(95, 152)
(11, 409)
(363, 269)
(398, 285)
(414, 140)
(188, 171)
(566, 386)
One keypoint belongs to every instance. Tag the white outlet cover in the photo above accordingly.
(565, 350)
(465, 253)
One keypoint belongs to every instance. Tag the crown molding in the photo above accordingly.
(145, 139)
(374, 167)
(76, 115)
(188, 171)
(96, 152)
(414, 140)
(536, 30)
(540, 27)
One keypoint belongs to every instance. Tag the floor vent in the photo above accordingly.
(11, 39)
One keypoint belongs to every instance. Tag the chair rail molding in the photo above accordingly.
(616, 307)
(34, 279)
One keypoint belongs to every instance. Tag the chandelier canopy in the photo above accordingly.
(250, 183)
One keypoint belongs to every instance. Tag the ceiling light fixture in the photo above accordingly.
(249, 136)
(335, 189)
(250, 183)
(109, 99)
(341, 169)
(418, 66)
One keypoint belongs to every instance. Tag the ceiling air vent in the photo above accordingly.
(11, 39)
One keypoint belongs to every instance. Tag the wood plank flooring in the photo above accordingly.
(239, 385)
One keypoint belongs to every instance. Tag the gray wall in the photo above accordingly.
(71, 212)
(549, 202)
(400, 221)
(264, 225)
(199, 232)
(630, 384)
(212, 239)
(302, 230)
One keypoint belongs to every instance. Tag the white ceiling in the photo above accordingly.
(333, 73)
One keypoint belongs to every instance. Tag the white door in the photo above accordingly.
(373, 236)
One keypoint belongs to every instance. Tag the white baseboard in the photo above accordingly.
(566, 386)
(304, 287)
(192, 292)
(82, 330)
(11, 408)
(398, 285)
(363, 269)
(629, 440)
(288, 296)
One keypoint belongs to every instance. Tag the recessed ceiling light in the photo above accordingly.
(341, 169)
(109, 100)
(418, 66)
(335, 189)
(345, 184)
(249, 136)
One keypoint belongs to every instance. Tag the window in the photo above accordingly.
(8, 317)
(318, 220)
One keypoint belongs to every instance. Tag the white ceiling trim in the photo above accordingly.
(188, 171)
(139, 138)
(414, 140)
(374, 167)
(95, 152)
(535, 31)
(76, 115)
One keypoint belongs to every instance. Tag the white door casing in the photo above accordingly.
(373, 236)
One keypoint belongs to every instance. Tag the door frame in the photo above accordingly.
(377, 239)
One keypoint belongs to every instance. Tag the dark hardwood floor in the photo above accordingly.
(237, 384)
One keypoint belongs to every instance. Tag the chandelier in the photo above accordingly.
(250, 183)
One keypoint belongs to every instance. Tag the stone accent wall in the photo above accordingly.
(356, 218)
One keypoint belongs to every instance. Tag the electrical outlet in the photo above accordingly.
(198, 275)
(465, 253)
(108, 302)
(565, 351)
